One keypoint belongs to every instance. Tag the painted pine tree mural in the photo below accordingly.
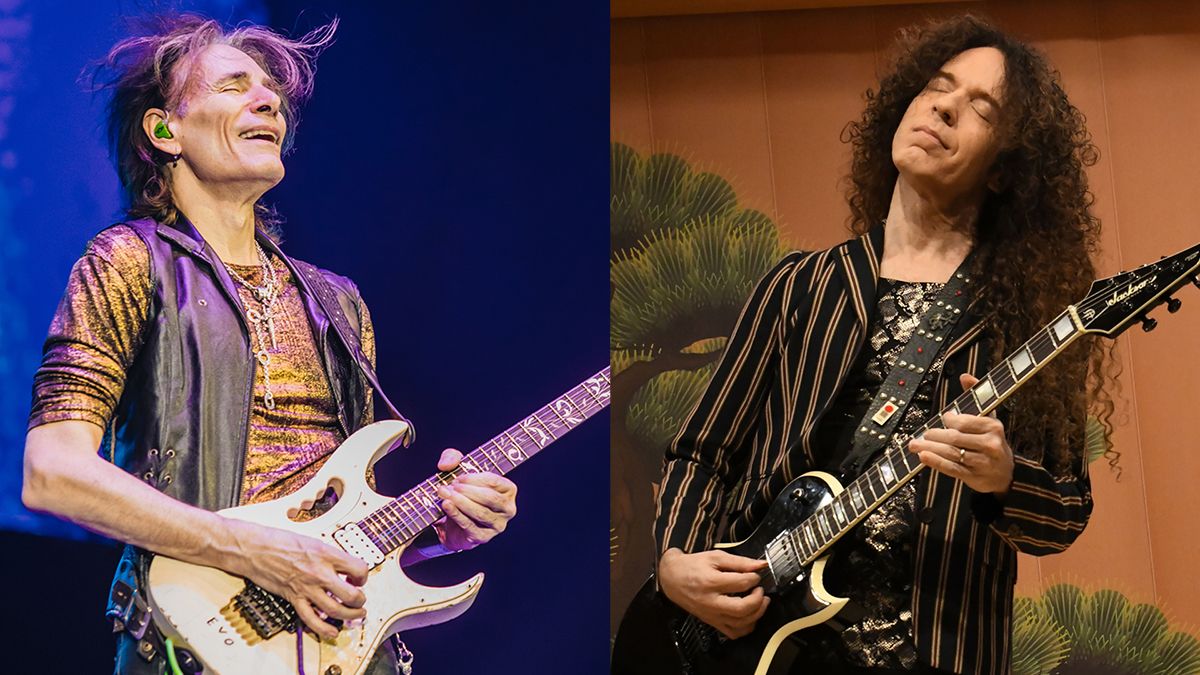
(1069, 631)
(685, 256)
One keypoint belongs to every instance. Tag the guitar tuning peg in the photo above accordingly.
(1149, 324)
(1196, 281)
(1173, 304)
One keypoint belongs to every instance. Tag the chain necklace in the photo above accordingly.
(264, 320)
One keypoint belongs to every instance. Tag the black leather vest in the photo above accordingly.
(183, 419)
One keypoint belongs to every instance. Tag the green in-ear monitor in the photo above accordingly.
(161, 130)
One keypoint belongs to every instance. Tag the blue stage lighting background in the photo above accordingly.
(453, 162)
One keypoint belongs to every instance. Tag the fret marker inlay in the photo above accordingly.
(535, 434)
(563, 409)
(1021, 362)
(856, 497)
(808, 536)
(839, 512)
(794, 537)
(1063, 328)
(407, 515)
(984, 392)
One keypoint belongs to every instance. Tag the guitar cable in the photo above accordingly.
(299, 646)
(171, 660)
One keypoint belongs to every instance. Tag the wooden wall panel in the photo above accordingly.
(765, 108)
(628, 91)
(635, 8)
(706, 81)
(809, 58)
(1151, 55)
(1067, 33)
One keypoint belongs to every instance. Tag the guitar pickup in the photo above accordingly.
(354, 541)
(783, 564)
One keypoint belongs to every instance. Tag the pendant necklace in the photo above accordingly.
(262, 319)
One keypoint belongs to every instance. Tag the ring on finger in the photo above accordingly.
(962, 456)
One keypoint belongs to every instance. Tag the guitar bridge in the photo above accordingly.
(267, 614)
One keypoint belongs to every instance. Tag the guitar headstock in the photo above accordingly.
(1113, 304)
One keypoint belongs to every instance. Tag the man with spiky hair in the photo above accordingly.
(209, 368)
(968, 173)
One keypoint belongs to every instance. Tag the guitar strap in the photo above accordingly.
(324, 295)
(910, 369)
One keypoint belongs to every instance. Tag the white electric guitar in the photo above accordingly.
(233, 626)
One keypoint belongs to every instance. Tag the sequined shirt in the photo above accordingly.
(873, 565)
(104, 313)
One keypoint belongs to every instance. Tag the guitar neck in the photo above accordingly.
(401, 520)
(897, 466)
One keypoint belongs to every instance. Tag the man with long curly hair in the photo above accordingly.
(968, 172)
(217, 370)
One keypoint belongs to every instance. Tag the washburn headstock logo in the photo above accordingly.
(1121, 296)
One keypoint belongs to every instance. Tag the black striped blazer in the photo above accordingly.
(750, 435)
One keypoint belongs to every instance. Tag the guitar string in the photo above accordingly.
(408, 517)
(405, 520)
(1157, 269)
(1041, 340)
(1038, 341)
(409, 521)
(864, 481)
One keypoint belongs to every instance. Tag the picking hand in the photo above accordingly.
(305, 571)
(721, 589)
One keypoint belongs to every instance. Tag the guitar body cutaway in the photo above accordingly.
(191, 603)
(655, 636)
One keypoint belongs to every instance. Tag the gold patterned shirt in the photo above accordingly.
(103, 315)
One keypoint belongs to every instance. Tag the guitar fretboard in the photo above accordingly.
(897, 466)
(402, 519)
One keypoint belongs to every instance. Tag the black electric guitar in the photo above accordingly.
(815, 510)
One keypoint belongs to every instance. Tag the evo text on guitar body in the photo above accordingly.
(232, 626)
(815, 510)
